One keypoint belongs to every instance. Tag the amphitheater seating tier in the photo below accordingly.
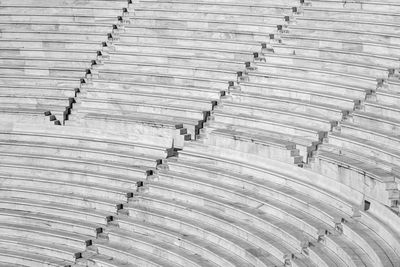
(199, 133)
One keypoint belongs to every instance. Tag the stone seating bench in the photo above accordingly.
(255, 3)
(243, 18)
(72, 73)
(312, 109)
(65, 212)
(210, 52)
(61, 254)
(387, 97)
(67, 188)
(73, 137)
(84, 153)
(268, 147)
(127, 256)
(9, 258)
(304, 96)
(102, 204)
(377, 122)
(391, 112)
(71, 10)
(173, 60)
(281, 114)
(370, 134)
(228, 6)
(364, 36)
(232, 45)
(48, 222)
(304, 142)
(369, 148)
(169, 79)
(51, 44)
(9, 100)
(145, 124)
(26, 60)
(117, 142)
(47, 54)
(122, 108)
(199, 23)
(134, 97)
(74, 241)
(364, 70)
(64, 161)
(355, 46)
(337, 54)
(104, 261)
(286, 80)
(319, 74)
(23, 115)
(115, 87)
(383, 229)
(352, 14)
(348, 23)
(32, 114)
(123, 69)
(375, 6)
(92, 4)
(110, 19)
(238, 35)
(80, 27)
(60, 37)
(269, 124)
(304, 145)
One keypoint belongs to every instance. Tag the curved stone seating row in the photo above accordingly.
(347, 45)
(17, 259)
(218, 53)
(337, 54)
(375, 6)
(34, 253)
(345, 34)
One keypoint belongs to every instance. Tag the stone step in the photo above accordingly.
(40, 249)
(311, 83)
(216, 52)
(336, 53)
(304, 96)
(314, 109)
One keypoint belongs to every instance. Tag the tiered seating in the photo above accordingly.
(184, 53)
(61, 186)
(213, 203)
(340, 40)
(47, 51)
(119, 185)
